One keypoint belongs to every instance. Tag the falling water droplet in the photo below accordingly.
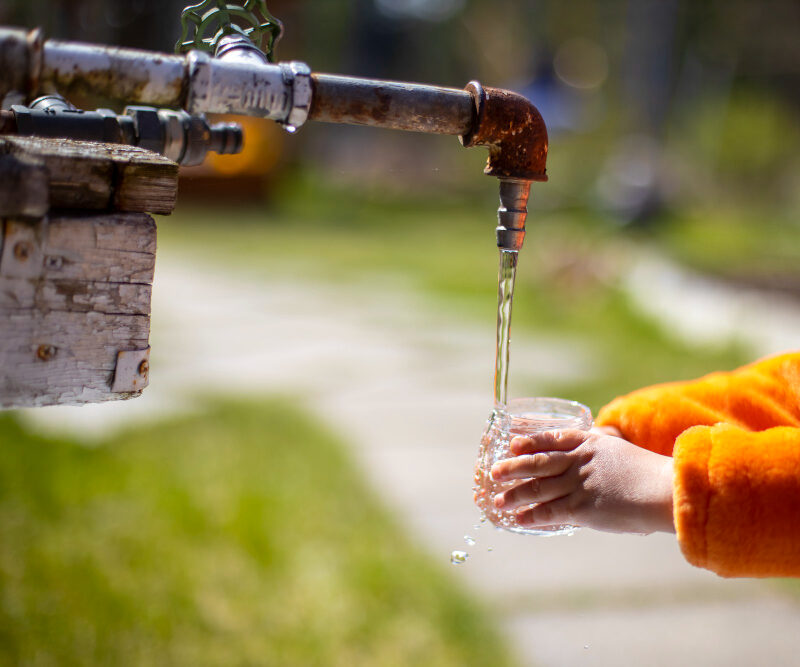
(586, 646)
(459, 557)
(469, 540)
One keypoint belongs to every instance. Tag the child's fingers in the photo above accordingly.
(538, 490)
(547, 441)
(553, 513)
(542, 464)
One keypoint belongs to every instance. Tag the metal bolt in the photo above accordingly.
(54, 262)
(144, 367)
(22, 250)
(46, 352)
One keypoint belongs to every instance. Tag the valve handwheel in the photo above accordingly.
(204, 24)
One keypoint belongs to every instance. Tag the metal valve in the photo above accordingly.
(205, 24)
(180, 136)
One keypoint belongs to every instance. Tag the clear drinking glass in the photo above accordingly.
(522, 416)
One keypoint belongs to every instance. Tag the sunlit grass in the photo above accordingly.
(739, 246)
(242, 536)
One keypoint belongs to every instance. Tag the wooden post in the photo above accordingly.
(77, 253)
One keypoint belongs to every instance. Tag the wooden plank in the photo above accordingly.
(115, 248)
(64, 358)
(74, 293)
(95, 176)
(79, 296)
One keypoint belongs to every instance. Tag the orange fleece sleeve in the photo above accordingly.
(736, 499)
(735, 438)
(762, 395)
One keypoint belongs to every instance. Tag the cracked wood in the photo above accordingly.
(74, 292)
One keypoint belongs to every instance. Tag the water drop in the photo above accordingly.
(469, 540)
(291, 129)
(586, 646)
(477, 526)
(459, 557)
(489, 548)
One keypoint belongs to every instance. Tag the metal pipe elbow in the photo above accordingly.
(513, 130)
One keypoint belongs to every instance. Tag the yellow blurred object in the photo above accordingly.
(245, 174)
(263, 141)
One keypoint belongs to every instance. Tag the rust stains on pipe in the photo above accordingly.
(18, 60)
(132, 75)
(512, 129)
(391, 104)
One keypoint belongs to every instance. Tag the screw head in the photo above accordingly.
(144, 368)
(46, 352)
(53, 262)
(22, 250)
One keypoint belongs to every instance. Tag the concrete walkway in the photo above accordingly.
(408, 387)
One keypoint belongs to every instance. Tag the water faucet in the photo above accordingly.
(239, 79)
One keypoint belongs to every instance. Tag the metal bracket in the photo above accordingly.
(133, 370)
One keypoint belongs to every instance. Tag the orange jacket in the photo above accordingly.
(735, 440)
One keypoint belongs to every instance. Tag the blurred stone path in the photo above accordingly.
(408, 387)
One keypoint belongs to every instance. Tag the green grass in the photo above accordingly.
(737, 245)
(239, 537)
(443, 247)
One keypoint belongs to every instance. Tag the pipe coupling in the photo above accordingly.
(20, 62)
(239, 86)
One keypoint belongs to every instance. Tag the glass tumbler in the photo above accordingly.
(522, 416)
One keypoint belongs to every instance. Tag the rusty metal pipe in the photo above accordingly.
(506, 123)
(391, 104)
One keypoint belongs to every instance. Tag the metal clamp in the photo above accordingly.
(297, 76)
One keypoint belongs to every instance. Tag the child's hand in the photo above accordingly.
(587, 479)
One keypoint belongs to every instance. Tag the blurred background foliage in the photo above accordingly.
(674, 127)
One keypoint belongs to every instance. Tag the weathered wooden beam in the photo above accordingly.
(64, 358)
(75, 308)
(89, 176)
(76, 277)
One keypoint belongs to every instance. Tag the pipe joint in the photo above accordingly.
(512, 129)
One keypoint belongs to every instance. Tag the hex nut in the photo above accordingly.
(150, 134)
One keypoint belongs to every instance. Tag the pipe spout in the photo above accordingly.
(512, 213)
(515, 134)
